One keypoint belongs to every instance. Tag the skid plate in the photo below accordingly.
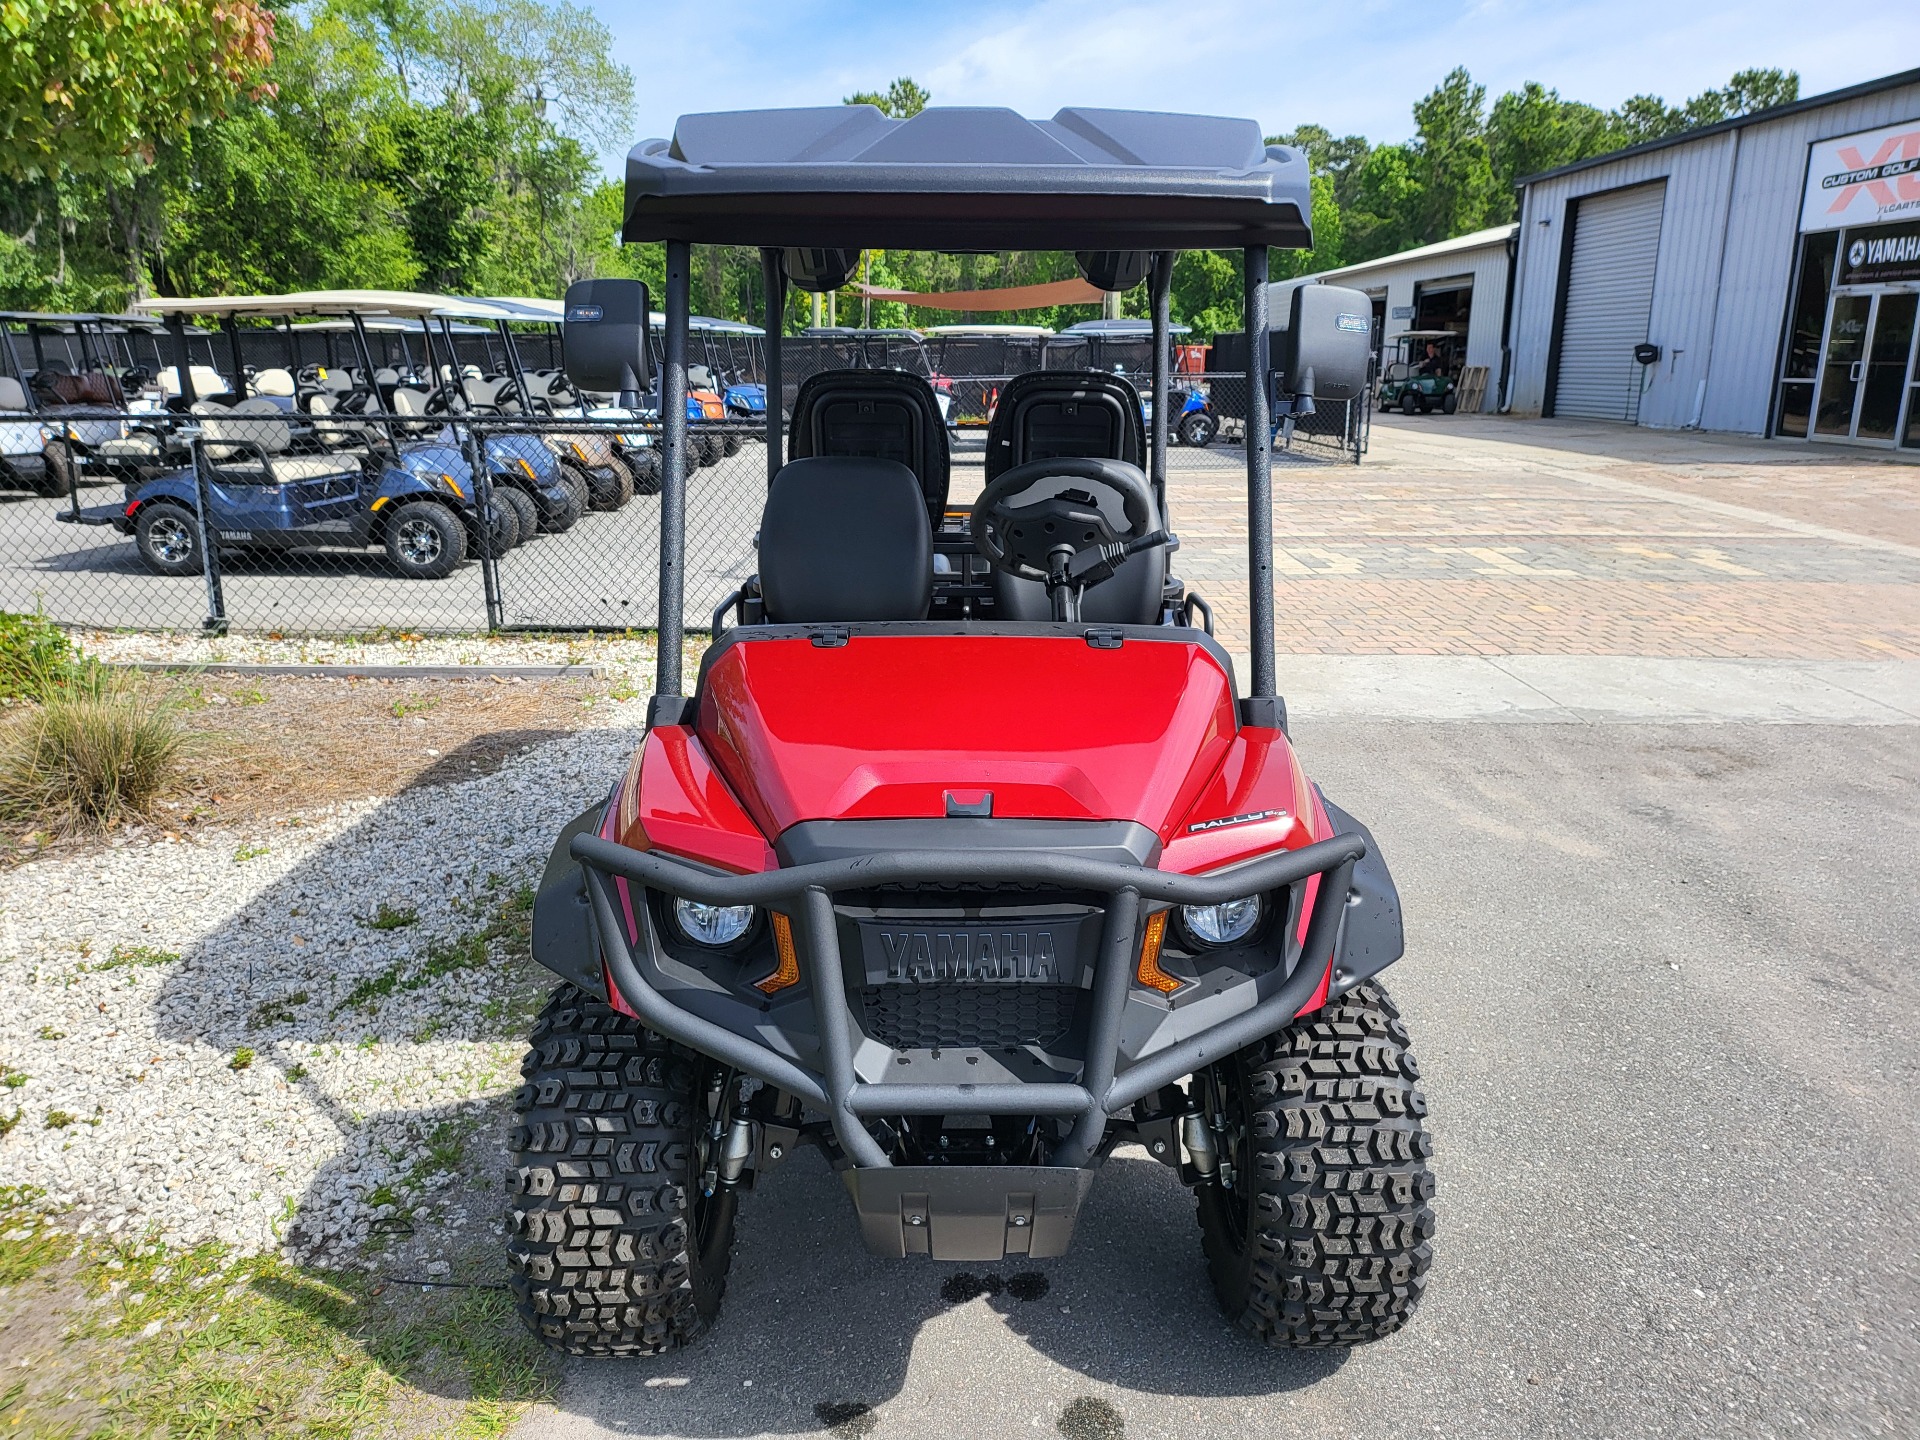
(968, 1212)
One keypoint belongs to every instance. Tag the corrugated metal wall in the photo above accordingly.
(1726, 253)
(1486, 263)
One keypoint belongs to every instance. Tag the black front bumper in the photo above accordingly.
(805, 894)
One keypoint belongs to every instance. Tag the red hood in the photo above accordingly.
(883, 727)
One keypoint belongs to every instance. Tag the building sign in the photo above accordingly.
(1863, 179)
(1403, 312)
(1881, 255)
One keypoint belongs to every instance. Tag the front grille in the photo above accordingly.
(990, 1017)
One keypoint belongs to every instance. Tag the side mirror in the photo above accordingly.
(603, 339)
(1327, 346)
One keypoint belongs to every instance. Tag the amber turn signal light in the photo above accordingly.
(787, 972)
(1151, 975)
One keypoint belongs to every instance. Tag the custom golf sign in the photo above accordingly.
(1863, 179)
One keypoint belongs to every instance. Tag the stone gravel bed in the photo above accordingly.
(138, 975)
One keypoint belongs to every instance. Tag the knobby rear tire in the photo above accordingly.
(1323, 1239)
(610, 1251)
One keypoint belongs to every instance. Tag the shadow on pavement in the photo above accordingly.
(813, 1327)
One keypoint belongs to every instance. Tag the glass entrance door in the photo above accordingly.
(1889, 349)
(1866, 365)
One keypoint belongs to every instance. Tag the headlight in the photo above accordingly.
(1226, 924)
(716, 926)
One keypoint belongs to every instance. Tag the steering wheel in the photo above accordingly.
(1065, 540)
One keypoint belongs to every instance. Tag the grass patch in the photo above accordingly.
(153, 1343)
(129, 957)
(59, 1119)
(414, 705)
(33, 651)
(47, 1032)
(98, 748)
(249, 851)
(387, 917)
(8, 1121)
(242, 1059)
(277, 1012)
(512, 921)
(11, 1078)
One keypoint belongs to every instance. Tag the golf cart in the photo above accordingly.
(1116, 344)
(1424, 373)
(964, 859)
(73, 389)
(317, 468)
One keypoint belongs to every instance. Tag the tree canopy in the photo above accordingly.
(194, 146)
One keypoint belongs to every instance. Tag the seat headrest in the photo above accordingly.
(1060, 414)
(880, 414)
(13, 395)
(273, 381)
(845, 538)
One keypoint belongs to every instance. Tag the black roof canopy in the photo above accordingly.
(960, 178)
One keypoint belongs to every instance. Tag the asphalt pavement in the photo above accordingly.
(1662, 982)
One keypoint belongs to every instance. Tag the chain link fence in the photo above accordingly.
(338, 507)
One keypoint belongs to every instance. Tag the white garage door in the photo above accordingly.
(1616, 243)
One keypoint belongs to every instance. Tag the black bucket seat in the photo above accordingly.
(845, 538)
(877, 414)
(1056, 414)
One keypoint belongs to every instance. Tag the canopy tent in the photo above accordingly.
(1013, 297)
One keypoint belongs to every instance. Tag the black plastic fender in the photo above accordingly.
(563, 938)
(1371, 935)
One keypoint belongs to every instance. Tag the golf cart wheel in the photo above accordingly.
(1199, 429)
(611, 491)
(613, 1249)
(564, 514)
(425, 540)
(1317, 1230)
(733, 444)
(167, 535)
(509, 532)
(1411, 403)
(712, 448)
(60, 473)
(645, 465)
(525, 512)
(1450, 404)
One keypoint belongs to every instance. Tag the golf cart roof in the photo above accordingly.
(1033, 331)
(1122, 329)
(1425, 335)
(854, 332)
(399, 303)
(962, 178)
(384, 325)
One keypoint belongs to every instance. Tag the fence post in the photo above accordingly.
(475, 446)
(216, 621)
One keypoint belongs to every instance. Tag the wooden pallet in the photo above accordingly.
(1473, 389)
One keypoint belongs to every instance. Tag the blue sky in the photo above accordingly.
(1353, 67)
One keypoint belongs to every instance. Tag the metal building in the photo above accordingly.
(1459, 285)
(1759, 276)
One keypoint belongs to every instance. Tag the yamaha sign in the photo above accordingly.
(1882, 256)
(1865, 179)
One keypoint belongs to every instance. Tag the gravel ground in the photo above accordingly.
(140, 973)
(616, 655)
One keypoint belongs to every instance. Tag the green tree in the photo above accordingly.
(902, 100)
(1452, 160)
(89, 88)
(1532, 129)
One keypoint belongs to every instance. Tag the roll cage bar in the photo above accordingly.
(1116, 187)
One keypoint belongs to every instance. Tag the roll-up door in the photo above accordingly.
(1616, 244)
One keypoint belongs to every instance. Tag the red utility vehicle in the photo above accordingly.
(966, 858)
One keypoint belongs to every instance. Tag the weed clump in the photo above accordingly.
(93, 748)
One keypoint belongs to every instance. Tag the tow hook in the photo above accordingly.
(1198, 1136)
(737, 1151)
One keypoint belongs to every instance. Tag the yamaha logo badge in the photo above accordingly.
(1857, 253)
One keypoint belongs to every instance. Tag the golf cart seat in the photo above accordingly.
(13, 395)
(880, 414)
(140, 447)
(273, 381)
(1060, 414)
(244, 448)
(1051, 414)
(206, 381)
(845, 538)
